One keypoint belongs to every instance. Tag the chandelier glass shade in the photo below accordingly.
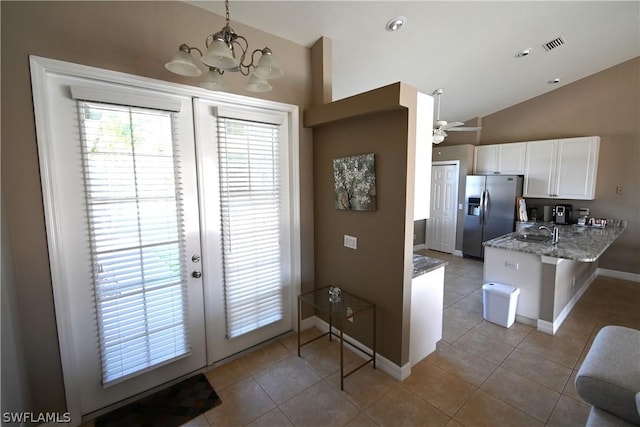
(219, 55)
(213, 80)
(182, 63)
(258, 84)
(223, 49)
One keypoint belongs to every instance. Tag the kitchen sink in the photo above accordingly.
(535, 238)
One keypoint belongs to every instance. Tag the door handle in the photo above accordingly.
(482, 213)
(486, 205)
(197, 274)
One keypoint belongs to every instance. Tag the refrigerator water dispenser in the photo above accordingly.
(474, 206)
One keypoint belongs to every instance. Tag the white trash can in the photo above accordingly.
(499, 303)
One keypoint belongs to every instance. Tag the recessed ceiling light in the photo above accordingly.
(554, 81)
(524, 52)
(394, 24)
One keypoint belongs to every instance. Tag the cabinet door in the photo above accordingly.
(540, 168)
(511, 158)
(485, 159)
(577, 167)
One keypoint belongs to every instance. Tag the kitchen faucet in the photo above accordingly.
(554, 233)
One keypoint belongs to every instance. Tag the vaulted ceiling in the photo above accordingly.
(468, 48)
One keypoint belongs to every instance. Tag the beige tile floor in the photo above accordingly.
(480, 375)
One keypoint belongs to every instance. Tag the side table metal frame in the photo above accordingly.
(340, 318)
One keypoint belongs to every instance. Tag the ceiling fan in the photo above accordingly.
(441, 126)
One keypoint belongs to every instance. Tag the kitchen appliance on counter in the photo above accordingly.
(490, 210)
(563, 214)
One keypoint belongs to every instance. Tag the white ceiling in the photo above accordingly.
(466, 48)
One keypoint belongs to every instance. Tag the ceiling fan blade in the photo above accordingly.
(465, 129)
(448, 126)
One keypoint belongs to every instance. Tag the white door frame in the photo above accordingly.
(40, 69)
(455, 163)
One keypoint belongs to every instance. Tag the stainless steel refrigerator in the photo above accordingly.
(489, 210)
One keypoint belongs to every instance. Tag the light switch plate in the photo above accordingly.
(350, 242)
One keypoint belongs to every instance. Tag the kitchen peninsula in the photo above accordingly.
(551, 277)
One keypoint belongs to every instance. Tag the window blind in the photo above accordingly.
(250, 189)
(131, 172)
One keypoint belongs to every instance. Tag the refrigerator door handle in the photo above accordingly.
(482, 207)
(485, 206)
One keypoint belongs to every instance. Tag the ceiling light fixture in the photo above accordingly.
(523, 53)
(221, 56)
(438, 136)
(394, 24)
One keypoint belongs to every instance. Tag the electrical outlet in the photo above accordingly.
(350, 314)
(350, 242)
(511, 265)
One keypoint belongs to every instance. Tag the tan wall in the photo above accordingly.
(375, 270)
(132, 37)
(606, 104)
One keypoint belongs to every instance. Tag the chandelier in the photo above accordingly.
(220, 56)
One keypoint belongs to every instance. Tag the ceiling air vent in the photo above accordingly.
(557, 42)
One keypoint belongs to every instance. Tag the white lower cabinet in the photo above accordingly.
(427, 305)
(562, 168)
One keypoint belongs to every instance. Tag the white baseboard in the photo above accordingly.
(456, 252)
(633, 277)
(545, 326)
(419, 247)
(526, 320)
(307, 323)
(385, 365)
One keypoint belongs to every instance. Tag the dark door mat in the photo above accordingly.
(170, 407)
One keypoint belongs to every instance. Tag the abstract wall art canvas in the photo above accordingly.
(355, 182)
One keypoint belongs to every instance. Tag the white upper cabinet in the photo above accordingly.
(577, 168)
(562, 168)
(512, 158)
(540, 168)
(484, 159)
(505, 159)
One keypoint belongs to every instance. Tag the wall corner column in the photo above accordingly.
(322, 72)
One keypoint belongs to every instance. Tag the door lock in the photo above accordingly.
(195, 258)
(197, 274)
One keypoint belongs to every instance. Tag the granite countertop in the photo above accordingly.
(577, 243)
(423, 264)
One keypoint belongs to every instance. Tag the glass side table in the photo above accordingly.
(345, 307)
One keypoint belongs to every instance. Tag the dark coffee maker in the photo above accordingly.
(563, 214)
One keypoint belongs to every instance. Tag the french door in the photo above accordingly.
(244, 186)
(169, 247)
(121, 188)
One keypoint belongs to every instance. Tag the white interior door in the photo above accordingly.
(120, 190)
(441, 234)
